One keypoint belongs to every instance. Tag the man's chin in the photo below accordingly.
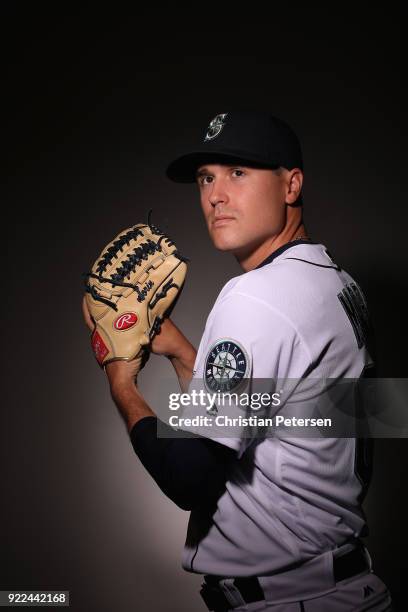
(225, 246)
(229, 244)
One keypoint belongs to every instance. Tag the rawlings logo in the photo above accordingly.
(126, 320)
(142, 293)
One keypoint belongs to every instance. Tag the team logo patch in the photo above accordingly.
(226, 365)
(125, 321)
(215, 127)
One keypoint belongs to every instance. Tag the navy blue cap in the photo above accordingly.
(255, 137)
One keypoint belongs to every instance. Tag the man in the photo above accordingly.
(276, 520)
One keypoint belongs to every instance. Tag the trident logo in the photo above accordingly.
(215, 127)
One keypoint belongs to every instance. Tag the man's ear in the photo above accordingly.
(294, 183)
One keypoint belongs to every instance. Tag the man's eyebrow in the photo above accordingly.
(201, 172)
(206, 171)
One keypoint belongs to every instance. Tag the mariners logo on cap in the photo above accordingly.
(215, 127)
(226, 365)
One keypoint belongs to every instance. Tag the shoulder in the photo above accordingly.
(298, 289)
(302, 273)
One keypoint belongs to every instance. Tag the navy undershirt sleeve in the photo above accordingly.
(191, 470)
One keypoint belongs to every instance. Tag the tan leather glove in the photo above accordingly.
(132, 286)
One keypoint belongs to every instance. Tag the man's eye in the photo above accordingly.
(238, 172)
(204, 180)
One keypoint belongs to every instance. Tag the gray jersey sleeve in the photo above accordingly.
(247, 347)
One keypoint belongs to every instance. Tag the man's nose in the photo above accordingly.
(218, 194)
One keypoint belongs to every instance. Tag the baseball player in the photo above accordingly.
(276, 521)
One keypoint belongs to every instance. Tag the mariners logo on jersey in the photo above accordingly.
(215, 127)
(226, 365)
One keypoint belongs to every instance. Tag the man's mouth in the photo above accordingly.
(221, 220)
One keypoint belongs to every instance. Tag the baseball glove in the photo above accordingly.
(132, 286)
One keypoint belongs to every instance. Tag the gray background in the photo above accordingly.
(95, 112)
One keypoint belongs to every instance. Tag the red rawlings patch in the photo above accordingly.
(99, 347)
(126, 320)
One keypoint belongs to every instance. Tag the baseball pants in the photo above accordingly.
(363, 593)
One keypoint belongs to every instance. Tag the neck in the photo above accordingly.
(250, 260)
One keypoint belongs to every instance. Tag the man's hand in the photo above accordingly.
(122, 380)
(169, 341)
(172, 343)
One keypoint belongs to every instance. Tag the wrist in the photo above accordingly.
(184, 352)
(121, 386)
(129, 401)
(119, 375)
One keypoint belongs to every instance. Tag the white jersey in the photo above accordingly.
(296, 316)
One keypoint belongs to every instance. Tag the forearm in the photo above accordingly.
(183, 364)
(189, 470)
(127, 398)
(172, 343)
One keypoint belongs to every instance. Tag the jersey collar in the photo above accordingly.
(281, 250)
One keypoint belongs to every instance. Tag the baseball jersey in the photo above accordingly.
(296, 316)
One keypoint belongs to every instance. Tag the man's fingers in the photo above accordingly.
(87, 316)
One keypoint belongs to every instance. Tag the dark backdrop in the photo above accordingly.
(94, 113)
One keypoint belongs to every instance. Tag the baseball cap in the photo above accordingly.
(256, 137)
